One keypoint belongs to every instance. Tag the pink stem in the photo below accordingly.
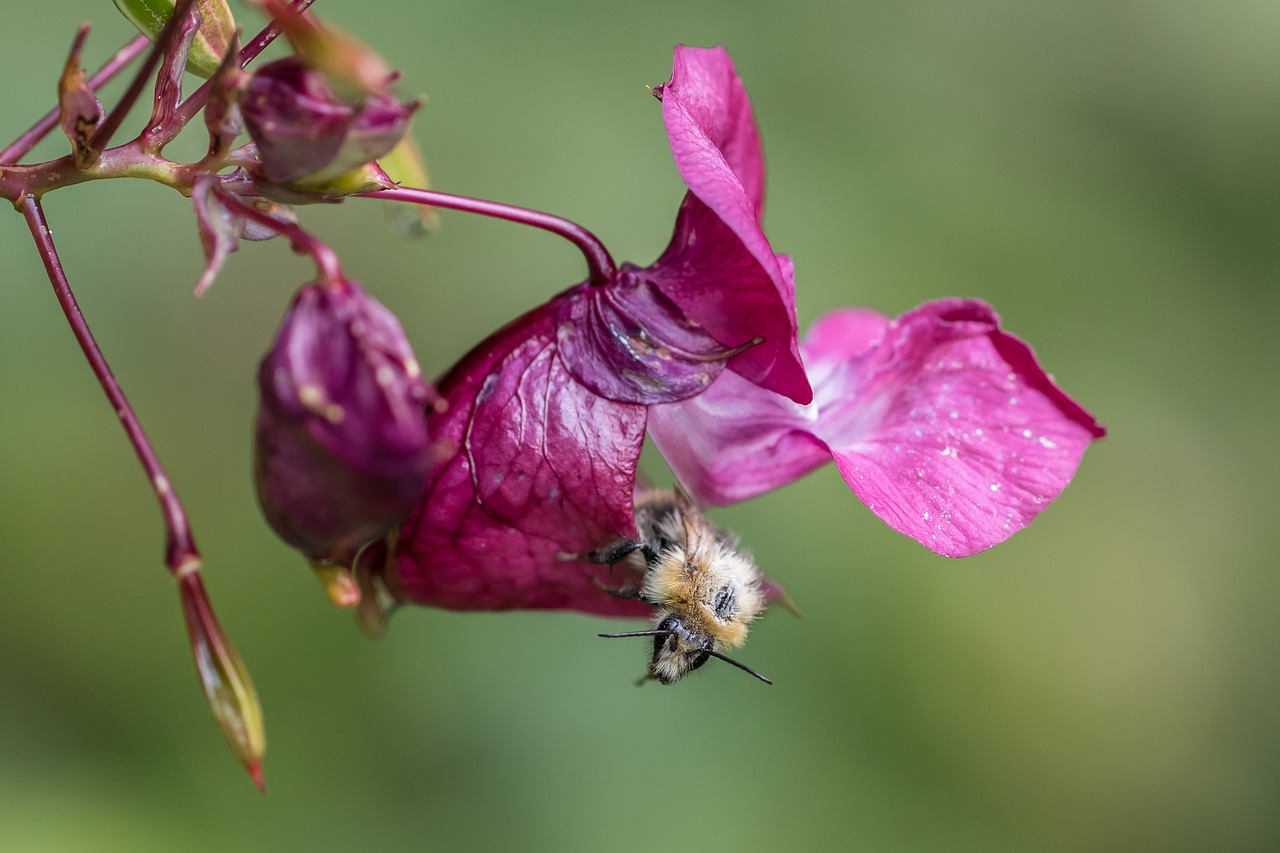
(102, 136)
(181, 555)
(24, 143)
(328, 267)
(599, 262)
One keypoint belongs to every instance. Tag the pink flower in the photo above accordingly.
(941, 422)
(547, 417)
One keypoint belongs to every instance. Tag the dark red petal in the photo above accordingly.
(536, 471)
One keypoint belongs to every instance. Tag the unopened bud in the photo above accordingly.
(305, 132)
(225, 679)
(80, 111)
(211, 41)
(342, 451)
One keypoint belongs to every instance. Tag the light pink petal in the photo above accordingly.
(839, 335)
(942, 423)
(736, 440)
(950, 431)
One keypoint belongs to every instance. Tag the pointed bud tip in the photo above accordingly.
(255, 773)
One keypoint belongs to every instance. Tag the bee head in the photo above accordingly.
(678, 650)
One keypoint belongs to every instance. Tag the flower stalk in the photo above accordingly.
(600, 264)
(222, 674)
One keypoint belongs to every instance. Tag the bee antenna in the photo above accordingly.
(653, 633)
(741, 666)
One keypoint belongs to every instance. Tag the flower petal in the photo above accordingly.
(627, 342)
(536, 470)
(736, 440)
(710, 122)
(719, 267)
(950, 431)
(941, 422)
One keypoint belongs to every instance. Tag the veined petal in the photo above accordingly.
(535, 471)
(629, 343)
(950, 430)
(719, 267)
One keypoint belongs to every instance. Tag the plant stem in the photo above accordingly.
(181, 555)
(24, 143)
(599, 262)
(102, 136)
(328, 268)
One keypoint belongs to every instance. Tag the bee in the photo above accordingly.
(705, 588)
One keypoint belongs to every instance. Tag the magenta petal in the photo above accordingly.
(950, 431)
(942, 423)
(719, 267)
(536, 470)
(710, 122)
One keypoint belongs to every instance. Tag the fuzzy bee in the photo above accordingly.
(705, 589)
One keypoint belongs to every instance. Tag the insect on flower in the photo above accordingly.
(706, 590)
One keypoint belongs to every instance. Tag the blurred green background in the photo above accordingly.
(1107, 174)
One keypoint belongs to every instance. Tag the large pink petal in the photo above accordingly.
(950, 431)
(942, 423)
(535, 471)
(719, 267)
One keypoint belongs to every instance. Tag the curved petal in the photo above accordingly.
(711, 126)
(719, 267)
(534, 470)
(736, 440)
(629, 343)
(950, 430)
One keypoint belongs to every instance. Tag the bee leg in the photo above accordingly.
(619, 551)
(627, 592)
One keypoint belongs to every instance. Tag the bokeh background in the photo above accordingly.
(1106, 174)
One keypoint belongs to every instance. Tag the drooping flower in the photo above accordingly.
(941, 422)
(342, 449)
(546, 418)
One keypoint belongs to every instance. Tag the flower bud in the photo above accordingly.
(341, 441)
(211, 42)
(306, 133)
(224, 678)
(79, 109)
